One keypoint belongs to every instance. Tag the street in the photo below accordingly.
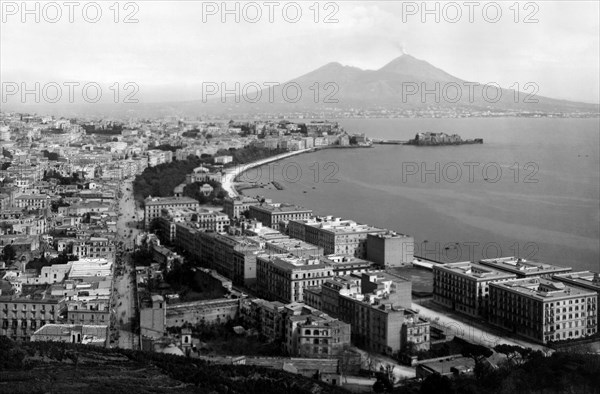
(124, 302)
(475, 332)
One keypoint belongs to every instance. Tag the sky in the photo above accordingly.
(172, 47)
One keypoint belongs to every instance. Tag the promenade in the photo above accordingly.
(231, 173)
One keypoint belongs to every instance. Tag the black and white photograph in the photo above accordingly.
(303, 196)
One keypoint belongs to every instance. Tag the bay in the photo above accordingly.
(532, 189)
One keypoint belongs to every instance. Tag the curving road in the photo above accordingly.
(232, 173)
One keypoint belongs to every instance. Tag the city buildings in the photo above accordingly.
(377, 307)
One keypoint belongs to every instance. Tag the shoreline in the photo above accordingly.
(231, 175)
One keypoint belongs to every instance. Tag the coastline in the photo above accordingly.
(232, 174)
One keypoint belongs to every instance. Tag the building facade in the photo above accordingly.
(464, 286)
(154, 205)
(543, 310)
(390, 249)
(271, 214)
(21, 316)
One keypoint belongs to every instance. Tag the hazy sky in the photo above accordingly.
(175, 46)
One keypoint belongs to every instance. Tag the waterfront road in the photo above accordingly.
(474, 331)
(232, 173)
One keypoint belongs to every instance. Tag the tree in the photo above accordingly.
(345, 360)
(438, 384)
(9, 253)
(6, 153)
(385, 379)
(369, 362)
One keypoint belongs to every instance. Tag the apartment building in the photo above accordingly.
(154, 205)
(317, 336)
(381, 326)
(284, 277)
(89, 312)
(523, 268)
(22, 315)
(55, 273)
(32, 201)
(156, 157)
(390, 249)
(202, 312)
(334, 235)
(202, 219)
(344, 264)
(235, 257)
(94, 247)
(543, 310)
(237, 206)
(376, 305)
(583, 279)
(464, 286)
(271, 214)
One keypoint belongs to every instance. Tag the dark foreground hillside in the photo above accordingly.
(43, 367)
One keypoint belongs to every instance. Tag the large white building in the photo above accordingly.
(544, 310)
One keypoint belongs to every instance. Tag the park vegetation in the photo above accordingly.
(159, 181)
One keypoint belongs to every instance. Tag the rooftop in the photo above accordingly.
(542, 289)
(291, 262)
(91, 334)
(449, 365)
(473, 270)
(522, 267)
(583, 278)
(281, 208)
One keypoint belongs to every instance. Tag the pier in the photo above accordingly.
(389, 142)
